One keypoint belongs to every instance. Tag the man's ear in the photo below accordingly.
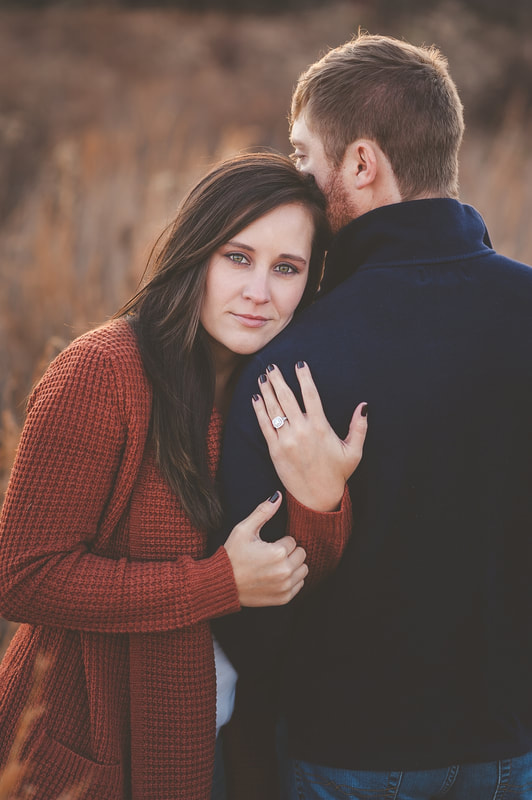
(361, 162)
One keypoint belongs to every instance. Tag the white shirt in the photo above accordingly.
(226, 678)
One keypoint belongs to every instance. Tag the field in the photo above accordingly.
(107, 117)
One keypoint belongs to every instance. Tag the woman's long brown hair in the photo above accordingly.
(165, 312)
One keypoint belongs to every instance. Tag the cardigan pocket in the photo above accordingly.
(53, 768)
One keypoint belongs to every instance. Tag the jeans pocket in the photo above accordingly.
(515, 781)
(317, 782)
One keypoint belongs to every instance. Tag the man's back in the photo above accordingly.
(417, 652)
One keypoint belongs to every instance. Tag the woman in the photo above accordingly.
(104, 528)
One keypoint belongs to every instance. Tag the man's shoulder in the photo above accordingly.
(510, 281)
(311, 329)
(311, 336)
(517, 269)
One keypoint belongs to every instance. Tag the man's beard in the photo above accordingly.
(339, 210)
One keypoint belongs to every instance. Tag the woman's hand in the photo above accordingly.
(311, 461)
(266, 573)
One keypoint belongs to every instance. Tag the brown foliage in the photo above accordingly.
(14, 784)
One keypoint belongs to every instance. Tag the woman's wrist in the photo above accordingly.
(324, 502)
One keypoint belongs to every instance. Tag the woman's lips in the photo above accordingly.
(250, 321)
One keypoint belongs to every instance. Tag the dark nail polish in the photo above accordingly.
(274, 497)
(256, 397)
(263, 378)
(364, 411)
(300, 364)
(270, 367)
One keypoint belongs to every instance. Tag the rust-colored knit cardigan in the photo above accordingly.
(110, 579)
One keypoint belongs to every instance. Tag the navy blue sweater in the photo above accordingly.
(417, 652)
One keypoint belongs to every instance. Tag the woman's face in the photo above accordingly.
(256, 280)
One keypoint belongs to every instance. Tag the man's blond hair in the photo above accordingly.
(398, 95)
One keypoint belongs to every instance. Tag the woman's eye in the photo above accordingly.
(237, 258)
(286, 269)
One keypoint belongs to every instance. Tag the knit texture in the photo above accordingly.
(109, 578)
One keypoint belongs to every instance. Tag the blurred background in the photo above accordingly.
(109, 112)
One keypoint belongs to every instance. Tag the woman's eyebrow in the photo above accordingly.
(293, 258)
(234, 243)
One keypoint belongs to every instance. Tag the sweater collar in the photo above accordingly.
(423, 231)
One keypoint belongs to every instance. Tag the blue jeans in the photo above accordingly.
(218, 779)
(510, 779)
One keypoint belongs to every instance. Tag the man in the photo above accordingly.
(408, 673)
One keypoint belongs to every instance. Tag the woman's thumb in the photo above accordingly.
(261, 514)
(358, 428)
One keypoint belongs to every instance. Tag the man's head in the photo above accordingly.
(377, 121)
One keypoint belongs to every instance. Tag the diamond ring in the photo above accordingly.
(278, 422)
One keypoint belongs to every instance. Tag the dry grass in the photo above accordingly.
(15, 769)
(14, 784)
(107, 117)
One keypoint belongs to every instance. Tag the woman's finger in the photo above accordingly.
(251, 526)
(309, 392)
(274, 407)
(264, 420)
(283, 393)
(358, 427)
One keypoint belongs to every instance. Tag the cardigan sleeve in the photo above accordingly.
(67, 469)
(323, 535)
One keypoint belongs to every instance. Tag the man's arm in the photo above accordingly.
(313, 461)
(247, 474)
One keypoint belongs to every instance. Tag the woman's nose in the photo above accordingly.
(257, 288)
